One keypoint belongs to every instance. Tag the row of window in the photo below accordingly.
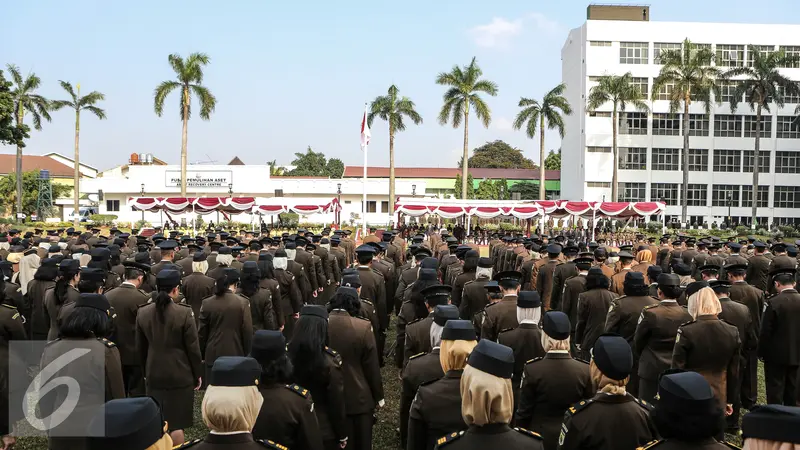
(725, 125)
(721, 194)
(635, 158)
(727, 55)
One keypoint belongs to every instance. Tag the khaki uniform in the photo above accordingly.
(561, 274)
(499, 316)
(52, 310)
(11, 329)
(39, 323)
(421, 368)
(758, 272)
(496, 435)
(195, 288)
(291, 299)
(261, 309)
(607, 422)
(226, 328)
(126, 300)
(623, 317)
(287, 416)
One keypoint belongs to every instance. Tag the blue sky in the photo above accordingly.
(292, 74)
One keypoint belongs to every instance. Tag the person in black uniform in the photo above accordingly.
(486, 404)
(129, 423)
(411, 311)
(612, 419)
(753, 299)
(64, 292)
(771, 427)
(779, 343)
(417, 337)
(503, 314)
(287, 414)
(262, 310)
(526, 339)
(436, 410)
(552, 383)
(11, 394)
(593, 308)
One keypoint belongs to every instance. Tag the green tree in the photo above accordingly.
(274, 170)
(334, 168)
(469, 188)
(498, 155)
(547, 112)
(30, 184)
(692, 77)
(465, 84)
(10, 132)
(620, 92)
(526, 189)
(553, 160)
(189, 74)
(393, 109)
(308, 164)
(762, 84)
(78, 104)
(26, 101)
(487, 190)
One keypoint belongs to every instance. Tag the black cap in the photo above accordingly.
(485, 263)
(250, 268)
(427, 274)
(96, 301)
(735, 267)
(224, 251)
(364, 248)
(780, 247)
(492, 286)
(459, 330)
(682, 268)
(695, 286)
(199, 257)
(268, 345)
(719, 285)
(553, 249)
(492, 358)
(231, 275)
(126, 424)
(90, 274)
(612, 355)
(529, 299)
(422, 252)
(443, 313)
(437, 290)
(509, 275)
(314, 310)
(682, 391)
(759, 244)
(625, 255)
(168, 244)
(708, 268)
(235, 371)
(556, 325)
(775, 423)
(168, 278)
(781, 270)
(634, 279)
(69, 265)
(668, 279)
(351, 280)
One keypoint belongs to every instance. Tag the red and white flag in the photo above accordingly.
(365, 133)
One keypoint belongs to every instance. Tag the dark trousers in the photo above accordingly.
(288, 326)
(781, 381)
(749, 391)
(633, 383)
(648, 389)
(360, 437)
(380, 341)
(330, 444)
(133, 379)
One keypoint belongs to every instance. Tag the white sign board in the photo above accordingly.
(200, 178)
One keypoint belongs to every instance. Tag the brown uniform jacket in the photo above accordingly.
(779, 342)
(618, 282)
(287, 416)
(11, 329)
(593, 308)
(261, 310)
(172, 339)
(301, 277)
(436, 411)
(738, 315)
(573, 288)
(526, 269)
(751, 297)
(226, 327)
(544, 283)
(607, 422)
(655, 335)
(496, 435)
(499, 316)
(373, 288)
(39, 323)
(328, 396)
(52, 310)
(291, 298)
(526, 341)
(195, 288)
(458, 286)
(352, 337)
(561, 274)
(418, 338)
(273, 286)
(307, 261)
(421, 368)
(758, 271)
(473, 298)
(238, 441)
(126, 300)
(624, 313)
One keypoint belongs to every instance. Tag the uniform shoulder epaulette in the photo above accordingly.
(538, 358)
(187, 444)
(581, 360)
(143, 292)
(414, 321)
(528, 433)
(368, 302)
(444, 440)
(8, 306)
(427, 382)
(362, 318)
(143, 305)
(271, 444)
(299, 390)
(331, 351)
(652, 306)
(643, 404)
(620, 297)
(107, 343)
(377, 271)
(416, 356)
(577, 407)
(729, 445)
(507, 329)
(687, 323)
(490, 304)
(650, 444)
(51, 342)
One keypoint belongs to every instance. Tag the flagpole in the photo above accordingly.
(364, 202)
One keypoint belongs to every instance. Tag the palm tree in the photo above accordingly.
(190, 79)
(620, 91)
(689, 70)
(762, 84)
(465, 84)
(26, 101)
(78, 103)
(275, 170)
(549, 110)
(392, 108)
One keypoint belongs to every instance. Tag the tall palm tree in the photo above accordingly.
(690, 71)
(620, 92)
(465, 84)
(26, 100)
(189, 72)
(392, 109)
(762, 84)
(78, 103)
(537, 114)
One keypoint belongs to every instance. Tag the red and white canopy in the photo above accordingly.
(302, 206)
(488, 209)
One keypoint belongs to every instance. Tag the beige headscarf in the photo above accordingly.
(645, 256)
(607, 385)
(231, 409)
(27, 269)
(485, 398)
(704, 302)
(453, 354)
(761, 444)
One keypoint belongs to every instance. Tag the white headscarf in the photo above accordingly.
(224, 260)
(483, 272)
(529, 315)
(291, 254)
(27, 269)
(280, 263)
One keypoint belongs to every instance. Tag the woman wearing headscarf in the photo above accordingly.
(11, 329)
(708, 345)
(612, 419)
(43, 280)
(291, 297)
(261, 308)
(771, 427)
(318, 368)
(471, 258)
(129, 423)
(526, 339)
(487, 403)
(413, 309)
(28, 265)
(593, 305)
(645, 258)
(64, 292)
(551, 384)
(436, 409)
(268, 281)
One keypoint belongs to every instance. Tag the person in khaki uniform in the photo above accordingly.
(544, 278)
(561, 274)
(503, 314)
(573, 288)
(166, 331)
(626, 262)
(196, 285)
(417, 337)
(758, 267)
(526, 339)
(373, 288)
(593, 306)
(473, 296)
(753, 299)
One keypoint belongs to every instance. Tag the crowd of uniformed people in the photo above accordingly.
(550, 342)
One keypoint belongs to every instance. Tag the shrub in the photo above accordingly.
(103, 219)
(654, 226)
(742, 230)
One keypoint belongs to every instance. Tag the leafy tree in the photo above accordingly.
(464, 88)
(547, 112)
(189, 73)
(498, 155)
(26, 101)
(392, 109)
(78, 103)
(10, 132)
(334, 168)
(487, 190)
(620, 92)
(468, 188)
(314, 164)
(526, 189)
(30, 183)
(691, 73)
(274, 170)
(553, 160)
(762, 84)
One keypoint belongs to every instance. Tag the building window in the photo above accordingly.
(633, 52)
(600, 114)
(763, 196)
(632, 158)
(600, 43)
(665, 93)
(763, 49)
(787, 196)
(788, 128)
(792, 51)
(730, 55)
(665, 159)
(598, 184)
(666, 124)
(727, 90)
(722, 192)
(787, 97)
(371, 206)
(659, 47)
(633, 123)
(598, 149)
(631, 192)
(698, 124)
(112, 205)
(698, 160)
(750, 126)
(697, 195)
(727, 125)
(727, 160)
(641, 83)
(786, 221)
(385, 207)
(666, 191)
(787, 162)
(763, 161)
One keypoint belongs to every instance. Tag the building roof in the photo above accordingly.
(448, 172)
(8, 164)
(70, 159)
(236, 162)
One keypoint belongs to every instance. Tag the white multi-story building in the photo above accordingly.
(619, 39)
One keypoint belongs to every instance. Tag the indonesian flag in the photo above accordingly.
(365, 133)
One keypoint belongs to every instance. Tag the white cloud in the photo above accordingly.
(502, 124)
(545, 24)
(500, 32)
